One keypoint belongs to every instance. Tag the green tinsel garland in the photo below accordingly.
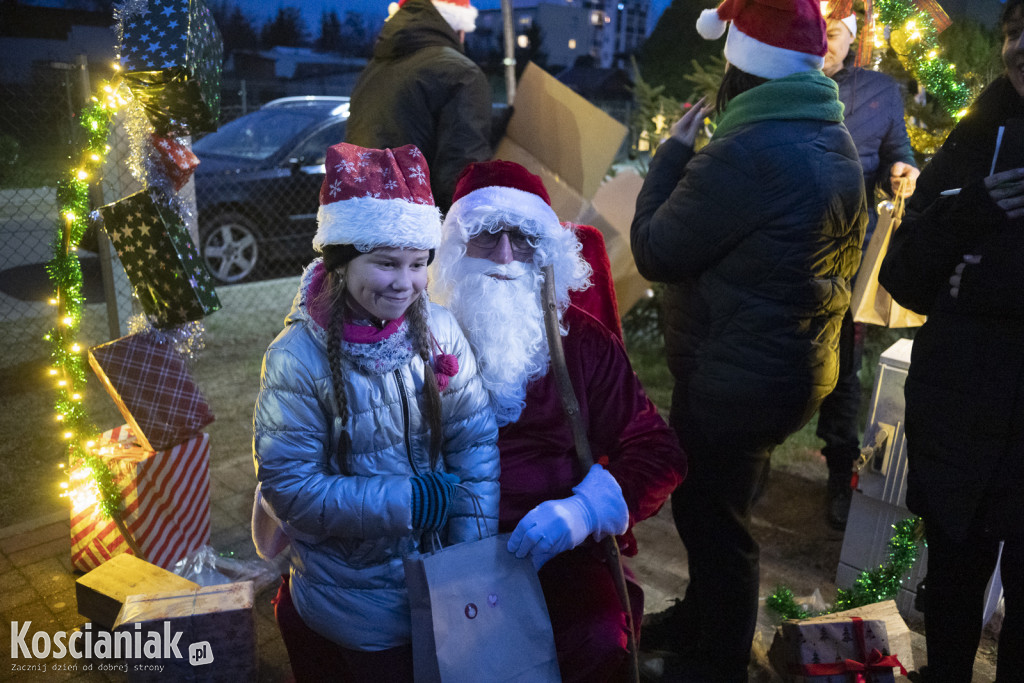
(937, 75)
(870, 587)
(65, 272)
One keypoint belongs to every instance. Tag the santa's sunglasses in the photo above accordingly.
(521, 244)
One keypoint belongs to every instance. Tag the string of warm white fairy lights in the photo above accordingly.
(67, 355)
(914, 37)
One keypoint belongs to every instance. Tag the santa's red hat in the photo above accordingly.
(459, 14)
(769, 38)
(494, 194)
(505, 186)
(377, 198)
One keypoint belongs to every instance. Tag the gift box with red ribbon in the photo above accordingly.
(165, 499)
(848, 649)
(174, 160)
(152, 387)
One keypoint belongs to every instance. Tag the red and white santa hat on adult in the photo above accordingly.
(493, 195)
(459, 14)
(841, 11)
(769, 38)
(376, 198)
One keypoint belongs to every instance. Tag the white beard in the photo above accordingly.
(504, 323)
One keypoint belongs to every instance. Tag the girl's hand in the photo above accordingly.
(685, 129)
(1007, 190)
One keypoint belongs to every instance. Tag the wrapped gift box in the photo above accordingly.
(175, 160)
(152, 387)
(218, 633)
(166, 501)
(160, 258)
(834, 648)
(103, 591)
(172, 58)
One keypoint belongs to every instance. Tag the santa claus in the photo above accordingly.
(499, 233)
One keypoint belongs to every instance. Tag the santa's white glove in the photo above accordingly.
(597, 509)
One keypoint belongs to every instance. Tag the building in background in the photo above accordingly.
(607, 32)
(38, 42)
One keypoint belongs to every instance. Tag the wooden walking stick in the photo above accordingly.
(579, 435)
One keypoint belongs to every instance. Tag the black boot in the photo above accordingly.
(839, 496)
(667, 631)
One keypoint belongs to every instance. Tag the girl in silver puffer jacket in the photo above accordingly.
(372, 430)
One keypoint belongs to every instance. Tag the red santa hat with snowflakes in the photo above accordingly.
(459, 14)
(769, 38)
(376, 198)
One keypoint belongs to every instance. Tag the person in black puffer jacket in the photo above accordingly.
(958, 257)
(757, 236)
(873, 113)
(421, 89)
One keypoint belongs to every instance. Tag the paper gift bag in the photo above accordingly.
(870, 302)
(172, 58)
(160, 258)
(165, 496)
(152, 387)
(478, 614)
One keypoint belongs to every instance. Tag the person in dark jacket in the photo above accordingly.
(958, 257)
(873, 113)
(757, 236)
(421, 89)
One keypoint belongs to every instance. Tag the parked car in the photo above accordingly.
(258, 184)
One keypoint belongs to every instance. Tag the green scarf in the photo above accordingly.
(804, 95)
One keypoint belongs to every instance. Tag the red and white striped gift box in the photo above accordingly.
(166, 498)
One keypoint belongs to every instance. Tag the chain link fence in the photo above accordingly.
(39, 131)
(250, 229)
(256, 197)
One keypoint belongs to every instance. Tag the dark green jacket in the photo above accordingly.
(758, 235)
(421, 89)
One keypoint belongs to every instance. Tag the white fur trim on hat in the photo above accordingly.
(459, 17)
(709, 25)
(764, 60)
(850, 22)
(368, 222)
(495, 198)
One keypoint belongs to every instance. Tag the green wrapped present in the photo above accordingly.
(160, 258)
(172, 58)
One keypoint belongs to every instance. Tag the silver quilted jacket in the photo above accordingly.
(350, 533)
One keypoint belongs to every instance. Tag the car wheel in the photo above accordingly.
(230, 247)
